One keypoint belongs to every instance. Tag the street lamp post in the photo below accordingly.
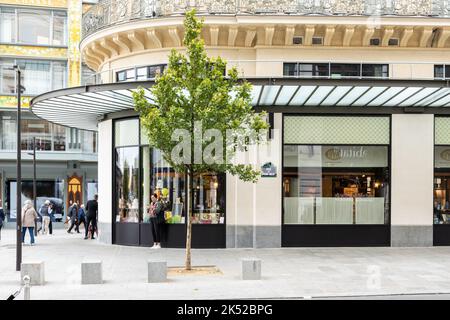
(34, 182)
(19, 176)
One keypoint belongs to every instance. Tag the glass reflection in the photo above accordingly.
(127, 187)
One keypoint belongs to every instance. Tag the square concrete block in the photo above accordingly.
(91, 272)
(251, 269)
(157, 271)
(35, 270)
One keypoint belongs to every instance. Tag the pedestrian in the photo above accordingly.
(43, 212)
(156, 213)
(51, 214)
(91, 216)
(81, 217)
(2, 219)
(73, 214)
(29, 217)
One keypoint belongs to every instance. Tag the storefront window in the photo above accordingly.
(127, 184)
(336, 170)
(336, 184)
(441, 205)
(209, 199)
(157, 176)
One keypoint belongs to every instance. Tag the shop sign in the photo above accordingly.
(350, 153)
(268, 169)
(445, 155)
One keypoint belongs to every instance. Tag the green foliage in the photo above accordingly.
(193, 88)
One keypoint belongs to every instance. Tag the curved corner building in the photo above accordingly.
(357, 92)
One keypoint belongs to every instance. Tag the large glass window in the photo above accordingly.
(334, 70)
(157, 176)
(441, 71)
(333, 177)
(7, 24)
(441, 212)
(140, 73)
(38, 76)
(127, 184)
(33, 26)
(335, 184)
(38, 129)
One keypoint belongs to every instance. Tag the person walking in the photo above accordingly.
(2, 220)
(91, 216)
(29, 217)
(156, 213)
(51, 214)
(73, 214)
(81, 217)
(43, 212)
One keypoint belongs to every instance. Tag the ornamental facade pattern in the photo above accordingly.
(111, 12)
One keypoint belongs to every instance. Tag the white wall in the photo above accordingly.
(105, 180)
(412, 169)
(254, 210)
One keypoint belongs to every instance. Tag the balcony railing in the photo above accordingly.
(111, 12)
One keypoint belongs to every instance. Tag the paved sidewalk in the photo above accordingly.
(287, 272)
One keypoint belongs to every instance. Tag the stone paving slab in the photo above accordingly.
(286, 272)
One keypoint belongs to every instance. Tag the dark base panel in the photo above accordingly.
(126, 234)
(335, 235)
(173, 235)
(208, 236)
(441, 235)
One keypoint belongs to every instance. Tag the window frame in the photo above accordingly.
(52, 12)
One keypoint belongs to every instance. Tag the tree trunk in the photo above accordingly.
(189, 220)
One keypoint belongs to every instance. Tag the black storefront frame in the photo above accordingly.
(333, 235)
(441, 232)
(208, 236)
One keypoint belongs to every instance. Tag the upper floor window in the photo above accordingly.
(38, 76)
(335, 70)
(140, 73)
(441, 71)
(32, 26)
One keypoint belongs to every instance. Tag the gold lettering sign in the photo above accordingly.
(333, 154)
(445, 155)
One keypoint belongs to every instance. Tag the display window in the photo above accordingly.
(141, 171)
(336, 170)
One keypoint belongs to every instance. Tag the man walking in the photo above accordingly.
(73, 214)
(91, 216)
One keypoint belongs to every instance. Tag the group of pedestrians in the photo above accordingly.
(78, 214)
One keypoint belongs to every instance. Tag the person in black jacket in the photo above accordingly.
(91, 216)
(73, 214)
(156, 212)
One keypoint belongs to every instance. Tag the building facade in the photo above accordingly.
(358, 99)
(42, 38)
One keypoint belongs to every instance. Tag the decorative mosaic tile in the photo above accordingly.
(32, 51)
(442, 130)
(11, 102)
(336, 130)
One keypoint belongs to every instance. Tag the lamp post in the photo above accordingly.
(34, 182)
(19, 176)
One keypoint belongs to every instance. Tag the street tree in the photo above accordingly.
(200, 116)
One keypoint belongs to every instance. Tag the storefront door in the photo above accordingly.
(74, 190)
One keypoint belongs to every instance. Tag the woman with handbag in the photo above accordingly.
(156, 213)
(29, 217)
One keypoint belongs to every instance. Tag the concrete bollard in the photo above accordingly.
(251, 269)
(36, 272)
(157, 271)
(26, 288)
(91, 272)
